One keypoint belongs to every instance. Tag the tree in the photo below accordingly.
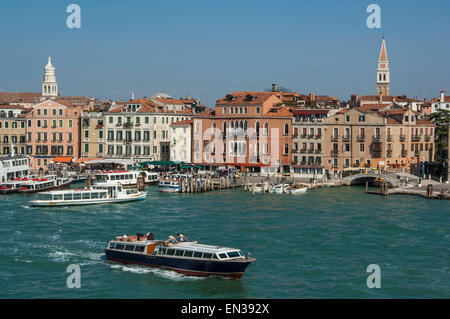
(441, 119)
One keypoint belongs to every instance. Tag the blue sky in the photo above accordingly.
(207, 49)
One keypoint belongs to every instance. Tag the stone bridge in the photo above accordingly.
(363, 177)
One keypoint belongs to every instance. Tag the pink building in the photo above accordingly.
(53, 133)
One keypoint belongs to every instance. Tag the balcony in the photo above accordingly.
(128, 125)
(361, 138)
(335, 138)
(334, 153)
(416, 153)
(346, 138)
(99, 127)
(128, 141)
(415, 138)
(376, 139)
(311, 136)
(85, 154)
(311, 151)
(303, 151)
(389, 137)
(99, 155)
(389, 153)
(318, 136)
(318, 151)
(402, 138)
(427, 137)
(404, 153)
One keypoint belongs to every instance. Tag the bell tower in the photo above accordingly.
(49, 86)
(383, 75)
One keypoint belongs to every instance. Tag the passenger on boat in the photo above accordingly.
(150, 236)
(181, 238)
(172, 240)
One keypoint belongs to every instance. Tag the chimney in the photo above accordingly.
(274, 87)
(442, 96)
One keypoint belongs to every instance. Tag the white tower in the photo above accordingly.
(383, 75)
(49, 86)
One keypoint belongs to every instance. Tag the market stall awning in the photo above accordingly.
(63, 159)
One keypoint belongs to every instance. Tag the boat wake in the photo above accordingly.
(166, 274)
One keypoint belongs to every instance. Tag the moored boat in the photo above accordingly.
(43, 184)
(296, 189)
(125, 178)
(186, 257)
(169, 186)
(13, 185)
(96, 194)
(279, 189)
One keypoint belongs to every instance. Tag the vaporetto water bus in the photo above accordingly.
(186, 257)
(96, 194)
(13, 185)
(125, 178)
(43, 184)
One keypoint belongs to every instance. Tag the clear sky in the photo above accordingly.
(207, 49)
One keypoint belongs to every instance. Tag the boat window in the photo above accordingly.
(86, 195)
(120, 246)
(233, 254)
(68, 196)
(94, 195)
(170, 252)
(76, 196)
(179, 252)
(207, 256)
(129, 247)
(140, 249)
(214, 256)
(57, 197)
(223, 255)
(112, 245)
(197, 255)
(188, 253)
(113, 177)
(163, 251)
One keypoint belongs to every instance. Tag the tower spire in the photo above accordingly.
(383, 74)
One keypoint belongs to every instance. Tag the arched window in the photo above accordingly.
(384, 77)
(245, 126)
(214, 128)
(224, 128)
(286, 129)
(257, 128)
(286, 148)
(266, 148)
(266, 128)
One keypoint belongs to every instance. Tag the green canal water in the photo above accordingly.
(315, 245)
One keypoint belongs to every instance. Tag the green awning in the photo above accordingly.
(161, 163)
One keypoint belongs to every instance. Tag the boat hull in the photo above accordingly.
(191, 267)
(297, 191)
(169, 189)
(86, 201)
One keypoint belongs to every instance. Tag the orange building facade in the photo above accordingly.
(53, 133)
(251, 131)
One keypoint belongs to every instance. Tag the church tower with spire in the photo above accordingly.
(49, 86)
(383, 76)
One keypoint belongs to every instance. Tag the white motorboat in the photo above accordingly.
(96, 194)
(279, 189)
(296, 189)
(46, 183)
(126, 178)
(169, 186)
